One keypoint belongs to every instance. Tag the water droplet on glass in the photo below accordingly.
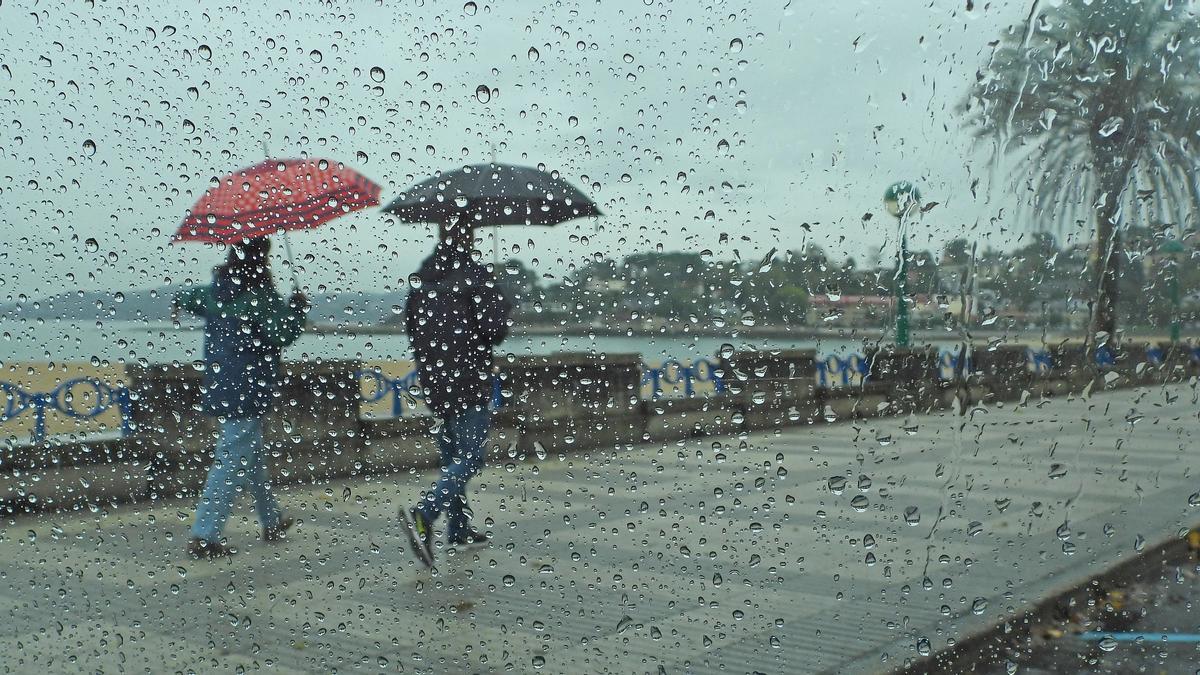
(837, 484)
(316, 56)
(91, 245)
(470, 8)
(859, 503)
(735, 45)
(414, 280)
(89, 147)
(377, 74)
(1107, 643)
(483, 94)
(204, 51)
(912, 516)
(1110, 126)
(533, 55)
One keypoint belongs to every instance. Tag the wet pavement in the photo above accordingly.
(853, 547)
(1144, 627)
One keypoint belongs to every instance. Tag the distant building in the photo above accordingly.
(606, 285)
(849, 310)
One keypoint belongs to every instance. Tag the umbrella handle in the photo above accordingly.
(287, 242)
(287, 245)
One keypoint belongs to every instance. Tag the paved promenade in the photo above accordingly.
(816, 549)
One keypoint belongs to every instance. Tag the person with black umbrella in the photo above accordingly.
(454, 317)
(458, 315)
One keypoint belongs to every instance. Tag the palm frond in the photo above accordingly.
(1085, 79)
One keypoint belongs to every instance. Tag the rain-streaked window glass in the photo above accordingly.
(600, 337)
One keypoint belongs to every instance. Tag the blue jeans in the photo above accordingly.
(238, 464)
(462, 444)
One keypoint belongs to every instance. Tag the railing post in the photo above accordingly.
(497, 396)
(125, 405)
(397, 389)
(713, 376)
(844, 365)
(655, 376)
(39, 419)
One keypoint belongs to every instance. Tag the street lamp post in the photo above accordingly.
(901, 200)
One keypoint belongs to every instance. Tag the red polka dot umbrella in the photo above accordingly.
(276, 195)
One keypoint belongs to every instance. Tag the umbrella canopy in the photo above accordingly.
(493, 194)
(276, 195)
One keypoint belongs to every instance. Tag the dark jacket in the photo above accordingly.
(454, 319)
(244, 335)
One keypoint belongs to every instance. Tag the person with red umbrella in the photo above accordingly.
(248, 324)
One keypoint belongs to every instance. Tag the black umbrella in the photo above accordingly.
(493, 194)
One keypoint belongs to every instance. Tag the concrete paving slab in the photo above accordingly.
(704, 555)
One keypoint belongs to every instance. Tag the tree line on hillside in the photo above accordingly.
(1040, 284)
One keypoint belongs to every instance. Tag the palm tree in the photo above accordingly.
(1098, 103)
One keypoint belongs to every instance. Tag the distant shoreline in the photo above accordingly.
(730, 333)
(753, 332)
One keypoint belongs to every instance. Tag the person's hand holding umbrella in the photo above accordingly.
(299, 302)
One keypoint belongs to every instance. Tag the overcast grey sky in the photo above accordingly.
(821, 105)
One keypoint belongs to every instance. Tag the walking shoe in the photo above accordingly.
(273, 534)
(420, 535)
(208, 550)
